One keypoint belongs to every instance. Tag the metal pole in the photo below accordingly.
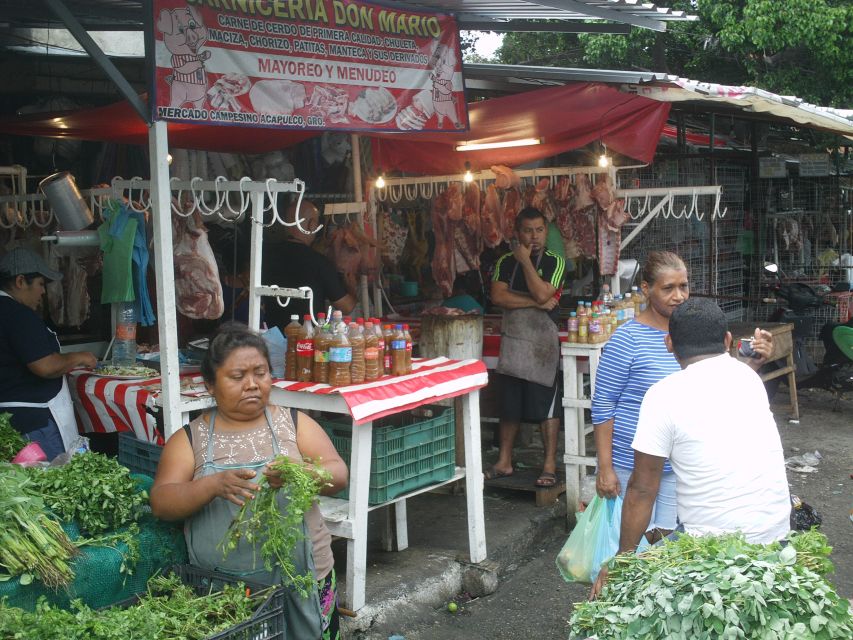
(358, 189)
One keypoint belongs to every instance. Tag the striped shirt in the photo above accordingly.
(633, 360)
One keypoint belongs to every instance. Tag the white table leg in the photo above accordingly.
(402, 525)
(573, 426)
(386, 533)
(474, 476)
(359, 486)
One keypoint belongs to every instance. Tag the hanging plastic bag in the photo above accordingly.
(595, 539)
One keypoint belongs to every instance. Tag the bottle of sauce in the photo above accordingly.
(581, 310)
(291, 332)
(305, 351)
(573, 326)
(340, 358)
(388, 338)
(409, 347)
(380, 344)
(398, 351)
(356, 340)
(322, 341)
(594, 329)
(372, 368)
(583, 329)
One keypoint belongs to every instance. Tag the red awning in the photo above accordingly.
(564, 117)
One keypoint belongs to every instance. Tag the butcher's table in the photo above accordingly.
(116, 405)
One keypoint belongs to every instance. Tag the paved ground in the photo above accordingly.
(533, 602)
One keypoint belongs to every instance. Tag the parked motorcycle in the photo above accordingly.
(835, 373)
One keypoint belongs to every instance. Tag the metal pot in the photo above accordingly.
(456, 337)
(68, 205)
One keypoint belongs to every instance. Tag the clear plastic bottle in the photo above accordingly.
(629, 307)
(409, 348)
(573, 326)
(305, 351)
(619, 309)
(639, 300)
(337, 319)
(356, 340)
(372, 366)
(387, 337)
(606, 296)
(291, 333)
(124, 345)
(322, 341)
(340, 359)
(398, 352)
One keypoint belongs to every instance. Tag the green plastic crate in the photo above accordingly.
(410, 450)
(138, 455)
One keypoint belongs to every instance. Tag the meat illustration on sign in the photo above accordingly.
(197, 286)
(279, 97)
(375, 106)
(224, 92)
(183, 33)
(414, 116)
(330, 103)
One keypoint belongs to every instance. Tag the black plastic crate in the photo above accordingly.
(267, 623)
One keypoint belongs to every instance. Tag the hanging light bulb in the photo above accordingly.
(169, 158)
(468, 177)
(603, 159)
(380, 182)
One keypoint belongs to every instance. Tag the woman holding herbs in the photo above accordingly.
(210, 468)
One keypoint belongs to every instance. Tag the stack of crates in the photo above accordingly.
(409, 450)
(138, 455)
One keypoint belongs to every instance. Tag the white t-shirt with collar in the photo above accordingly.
(713, 421)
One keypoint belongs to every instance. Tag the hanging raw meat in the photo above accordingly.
(455, 202)
(604, 192)
(351, 250)
(512, 205)
(615, 215)
(417, 246)
(563, 195)
(444, 255)
(583, 192)
(394, 233)
(468, 247)
(541, 198)
(505, 178)
(471, 208)
(582, 212)
(608, 248)
(491, 216)
(197, 286)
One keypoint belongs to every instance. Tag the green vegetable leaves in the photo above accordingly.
(719, 587)
(10, 440)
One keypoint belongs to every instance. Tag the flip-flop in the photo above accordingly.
(495, 473)
(546, 479)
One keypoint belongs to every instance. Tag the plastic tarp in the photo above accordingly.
(565, 118)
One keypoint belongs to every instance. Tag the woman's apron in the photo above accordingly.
(530, 342)
(205, 530)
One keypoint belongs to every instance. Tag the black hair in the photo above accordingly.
(697, 327)
(7, 282)
(231, 336)
(528, 213)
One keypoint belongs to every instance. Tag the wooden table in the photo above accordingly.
(783, 349)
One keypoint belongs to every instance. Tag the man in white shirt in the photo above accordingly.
(713, 422)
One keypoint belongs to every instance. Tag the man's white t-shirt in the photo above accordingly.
(712, 420)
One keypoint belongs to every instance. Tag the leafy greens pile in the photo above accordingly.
(170, 610)
(10, 440)
(93, 490)
(279, 530)
(719, 587)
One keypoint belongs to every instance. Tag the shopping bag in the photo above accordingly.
(594, 539)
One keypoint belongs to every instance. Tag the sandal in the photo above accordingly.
(494, 473)
(546, 480)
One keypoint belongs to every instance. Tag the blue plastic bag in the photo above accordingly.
(594, 540)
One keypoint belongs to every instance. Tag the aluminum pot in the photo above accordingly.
(68, 205)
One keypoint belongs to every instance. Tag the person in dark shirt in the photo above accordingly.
(291, 262)
(32, 384)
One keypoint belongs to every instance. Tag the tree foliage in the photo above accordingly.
(794, 47)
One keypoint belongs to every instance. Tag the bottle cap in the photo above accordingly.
(359, 321)
(294, 317)
(347, 319)
(307, 316)
(573, 314)
(398, 327)
(321, 316)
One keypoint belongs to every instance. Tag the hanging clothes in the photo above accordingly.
(117, 235)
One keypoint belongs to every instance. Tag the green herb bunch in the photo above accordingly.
(262, 520)
(723, 587)
(10, 440)
(170, 610)
(32, 545)
(93, 490)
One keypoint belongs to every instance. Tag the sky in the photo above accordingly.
(487, 43)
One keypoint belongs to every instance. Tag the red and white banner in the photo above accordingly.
(307, 64)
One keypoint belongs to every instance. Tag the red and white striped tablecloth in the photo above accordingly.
(430, 380)
(104, 405)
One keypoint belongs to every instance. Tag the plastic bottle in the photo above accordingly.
(629, 307)
(595, 329)
(639, 300)
(322, 341)
(380, 344)
(356, 340)
(124, 345)
(305, 351)
(398, 351)
(583, 329)
(588, 306)
(409, 347)
(372, 366)
(340, 359)
(581, 310)
(606, 296)
(291, 332)
(387, 337)
(572, 326)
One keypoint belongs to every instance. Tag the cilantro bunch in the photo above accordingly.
(719, 587)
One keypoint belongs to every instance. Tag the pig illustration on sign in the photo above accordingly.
(442, 65)
(183, 33)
